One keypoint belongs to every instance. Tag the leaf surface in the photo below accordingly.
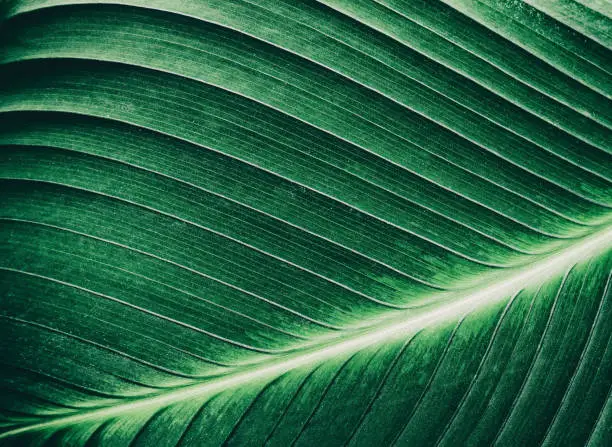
(300, 223)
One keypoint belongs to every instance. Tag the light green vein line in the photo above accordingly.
(392, 329)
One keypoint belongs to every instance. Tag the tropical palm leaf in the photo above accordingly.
(286, 222)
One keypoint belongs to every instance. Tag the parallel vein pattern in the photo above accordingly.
(260, 222)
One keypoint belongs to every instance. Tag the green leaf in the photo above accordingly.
(305, 223)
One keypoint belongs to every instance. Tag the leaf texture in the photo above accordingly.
(336, 222)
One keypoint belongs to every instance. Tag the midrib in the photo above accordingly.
(410, 322)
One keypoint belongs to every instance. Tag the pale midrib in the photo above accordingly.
(491, 293)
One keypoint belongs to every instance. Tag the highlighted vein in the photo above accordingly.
(403, 324)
